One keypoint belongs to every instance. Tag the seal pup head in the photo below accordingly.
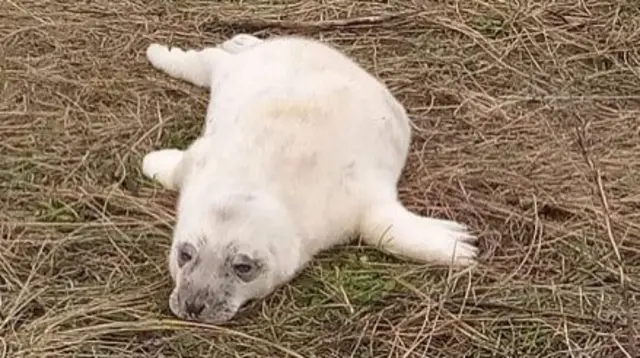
(237, 248)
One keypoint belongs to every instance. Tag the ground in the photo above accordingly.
(526, 127)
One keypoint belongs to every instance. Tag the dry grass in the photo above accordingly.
(527, 125)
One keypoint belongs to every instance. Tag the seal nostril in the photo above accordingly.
(194, 309)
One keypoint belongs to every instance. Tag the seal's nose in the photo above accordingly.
(194, 308)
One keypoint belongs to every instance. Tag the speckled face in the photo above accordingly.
(211, 285)
(236, 248)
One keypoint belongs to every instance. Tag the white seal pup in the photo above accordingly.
(302, 149)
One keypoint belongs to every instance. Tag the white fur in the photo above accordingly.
(239, 43)
(172, 61)
(161, 165)
(303, 127)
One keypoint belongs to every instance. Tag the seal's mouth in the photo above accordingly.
(246, 308)
(224, 315)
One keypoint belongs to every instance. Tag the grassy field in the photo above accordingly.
(527, 127)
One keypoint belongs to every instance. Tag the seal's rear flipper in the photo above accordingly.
(395, 229)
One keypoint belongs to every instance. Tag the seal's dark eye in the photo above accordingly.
(246, 268)
(185, 257)
(242, 269)
(186, 252)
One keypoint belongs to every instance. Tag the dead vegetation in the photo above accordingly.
(527, 127)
